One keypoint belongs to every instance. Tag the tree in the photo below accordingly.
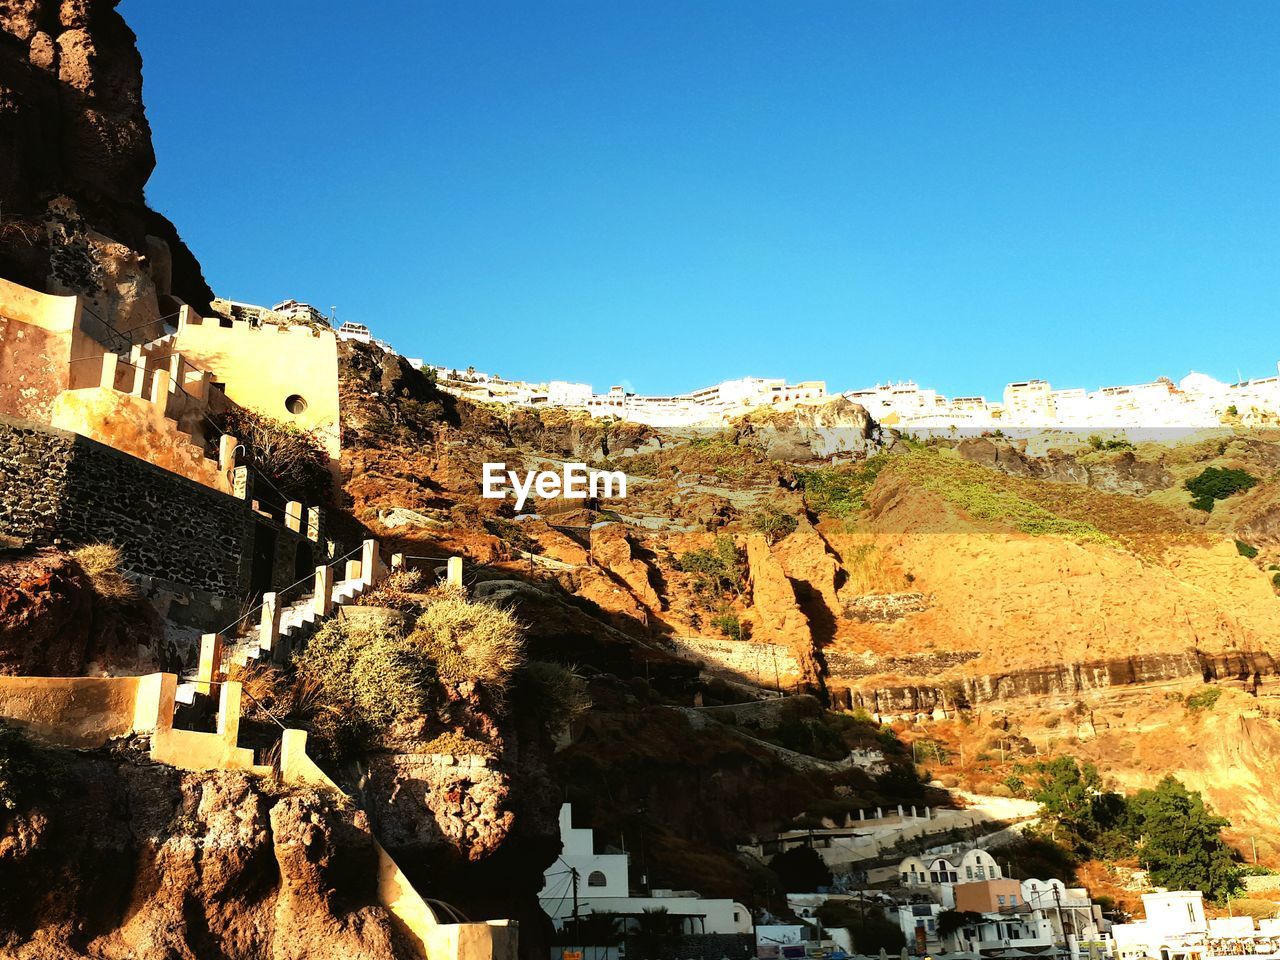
(870, 930)
(800, 870)
(1065, 790)
(1180, 840)
(1216, 483)
(949, 921)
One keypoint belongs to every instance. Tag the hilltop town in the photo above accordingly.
(1195, 402)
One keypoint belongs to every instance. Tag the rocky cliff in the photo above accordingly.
(75, 154)
(111, 856)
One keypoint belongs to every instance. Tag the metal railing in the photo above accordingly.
(286, 592)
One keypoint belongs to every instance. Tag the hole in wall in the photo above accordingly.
(295, 403)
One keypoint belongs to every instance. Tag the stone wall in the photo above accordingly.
(33, 469)
(763, 664)
(57, 486)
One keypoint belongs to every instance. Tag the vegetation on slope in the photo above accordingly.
(1041, 507)
(839, 491)
(1168, 829)
(1217, 483)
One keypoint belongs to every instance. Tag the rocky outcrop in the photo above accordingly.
(776, 613)
(184, 866)
(1064, 680)
(1120, 473)
(811, 431)
(613, 551)
(52, 623)
(75, 153)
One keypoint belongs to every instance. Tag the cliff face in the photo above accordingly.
(108, 857)
(75, 153)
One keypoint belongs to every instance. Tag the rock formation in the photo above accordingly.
(185, 865)
(777, 617)
(75, 153)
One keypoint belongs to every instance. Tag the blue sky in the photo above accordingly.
(668, 194)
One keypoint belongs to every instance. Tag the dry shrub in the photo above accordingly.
(102, 562)
(553, 692)
(401, 590)
(294, 459)
(364, 674)
(466, 640)
(292, 699)
(870, 571)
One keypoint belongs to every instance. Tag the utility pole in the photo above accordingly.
(573, 872)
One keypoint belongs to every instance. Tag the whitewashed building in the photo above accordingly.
(603, 887)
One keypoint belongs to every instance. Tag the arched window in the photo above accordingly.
(596, 879)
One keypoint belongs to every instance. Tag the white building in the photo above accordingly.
(938, 875)
(1175, 928)
(1196, 402)
(355, 331)
(603, 887)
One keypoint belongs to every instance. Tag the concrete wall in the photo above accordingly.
(136, 426)
(86, 712)
(492, 940)
(758, 663)
(262, 367)
(57, 486)
(36, 332)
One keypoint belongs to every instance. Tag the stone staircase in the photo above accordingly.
(120, 385)
(281, 628)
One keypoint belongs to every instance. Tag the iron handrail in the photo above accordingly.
(195, 678)
(279, 593)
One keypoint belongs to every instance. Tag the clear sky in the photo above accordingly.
(668, 194)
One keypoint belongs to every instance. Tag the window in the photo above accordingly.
(737, 917)
(1191, 912)
(1013, 899)
(1000, 899)
(982, 872)
(295, 404)
(596, 879)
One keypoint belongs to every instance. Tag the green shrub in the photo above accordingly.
(839, 491)
(774, 522)
(1275, 579)
(1217, 483)
(1203, 699)
(1246, 550)
(717, 570)
(551, 691)
(1118, 443)
(367, 676)
(728, 624)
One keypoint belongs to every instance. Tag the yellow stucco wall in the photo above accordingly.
(135, 426)
(84, 711)
(262, 367)
(36, 333)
